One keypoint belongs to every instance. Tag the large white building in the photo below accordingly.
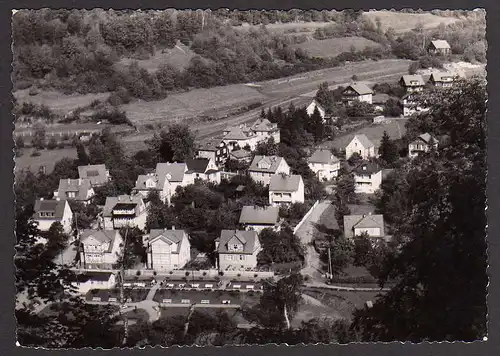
(49, 211)
(168, 250)
(237, 249)
(421, 144)
(367, 177)
(172, 175)
(286, 189)
(94, 280)
(361, 145)
(123, 211)
(357, 92)
(324, 163)
(263, 168)
(202, 168)
(265, 129)
(101, 249)
(96, 173)
(412, 83)
(75, 189)
(148, 183)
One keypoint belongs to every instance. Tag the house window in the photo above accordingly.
(197, 175)
(70, 194)
(236, 247)
(242, 257)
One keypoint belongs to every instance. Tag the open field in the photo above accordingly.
(47, 158)
(303, 27)
(332, 47)
(177, 57)
(402, 22)
(395, 129)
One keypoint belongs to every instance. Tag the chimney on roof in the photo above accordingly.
(79, 181)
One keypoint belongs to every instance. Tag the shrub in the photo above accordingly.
(255, 275)
(33, 91)
(221, 273)
(61, 145)
(155, 273)
(36, 153)
(138, 273)
(52, 143)
(171, 272)
(187, 274)
(204, 273)
(238, 275)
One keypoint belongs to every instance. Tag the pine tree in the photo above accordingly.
(83, 158)
(388, 151)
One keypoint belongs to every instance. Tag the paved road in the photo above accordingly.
(306, 234)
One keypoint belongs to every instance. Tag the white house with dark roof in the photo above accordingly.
(168, 250)
(412, 104)
(123, 211)
(239, 137)
(49, 211)
(175, 174)
(443, 79)
(202, 168)
(356, 225)
(286, 189)
(412, 83)
(147, 183)
(263, 168)
(362, 145)
(237, 249)
(315, 105)
(89, 280)
(96, 173)
(324, 163)
(265, 129)
(214, 149)
(258, 218)
(100, 248)
(75, 189)
(439, 47)
(367, 177)
(421, 144)
(357, 92)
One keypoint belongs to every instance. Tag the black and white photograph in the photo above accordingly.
(216, 177)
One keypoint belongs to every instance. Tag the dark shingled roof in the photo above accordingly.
(367, 168)
(247, 238)
(197, 165)
(94, 276)
(268, 215)
(362, 221)
(103, 236)
(266, 164)
(96, 173)
(168, 236)
(80, 186)
(49, 206)
(284, 183)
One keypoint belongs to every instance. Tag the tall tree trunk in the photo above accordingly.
(287, 320)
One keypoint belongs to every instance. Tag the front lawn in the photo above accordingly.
(131, 295)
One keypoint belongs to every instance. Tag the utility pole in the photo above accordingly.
(122, 278)
(330, 269)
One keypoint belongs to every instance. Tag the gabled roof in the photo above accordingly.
(439, 76)
(323, 156)
(197, 165)
(257, 215)
(49, 206)
(174, 172)
(80, 186)
(380, 98)
(264, 125)
(408, 79)
(440, 44)
(248, 238)
(352, 222)
(168, 236)
(316, 104)
(142, 179)
(103, 236)
(427, 138)
(134, 201)
(365, 141)
(360, 88)
(272, 161)
(237, 133)
(96, 173)
(240, 154)
(367, 168)
(212, 144)
(284, 183)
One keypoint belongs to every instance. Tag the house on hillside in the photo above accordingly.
(75, 189)
(263, 167)
(241, 155)
(258, 218)
(357, 92)
(286, 189)
(265, 129)
(421, 144)
(96, 173)
(49, 211)
(324, 163)
(94, 280)
(367, 177)
(167, 249)
(443, 79)
(147, 183)
(202, 168)
(237, 249)
(412, 104)
(362, 145)
(172, 175)
(356, 225)
(214, 149)
(439, 47)
(123, 211)
(100, 249)
(239, 137)
(379, 102)
(412, 83)
(315, 105)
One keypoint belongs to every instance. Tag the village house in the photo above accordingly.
(412, 105)
(241, 155)
(49, 211)
(100, 249)
(324, 163)
(357, 225)
(123, 211)
(367, 177)
(265, 129)
(439, 47)
(214, 149)
(412, 83)
(147, 183)
(75, 189)
(167, 249)
(202, 168)
(258, 218)
(263, 167)
(442, 79)
(379, 102)
(357, 92)
(239, 137)
(421, 144)
(96, 173)
(237, 249)
(315, 105)
(361, 145)
(94, 280)
(286, 189)
(172, 175)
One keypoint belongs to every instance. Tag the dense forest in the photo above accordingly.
(78, 50)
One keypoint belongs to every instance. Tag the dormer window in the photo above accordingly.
(71, 194)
